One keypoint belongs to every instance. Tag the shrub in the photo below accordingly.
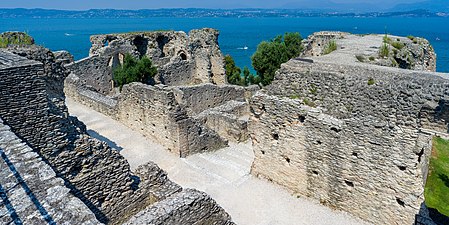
(411, 37)
(360, 58)
(15, 38)
(134, 70)
(372, 58)
(309, 103)
(233, 74)
(371, 81)
(398, 45)
(271, 54)
(330, 47)
(387, 40)
(384, 50)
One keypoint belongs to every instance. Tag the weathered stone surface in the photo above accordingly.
(406, 53)
(174, 210)
(180, 58)
(32, 103)
(349, 134)
(27, 182)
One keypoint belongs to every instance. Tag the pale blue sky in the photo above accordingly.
(154, 4)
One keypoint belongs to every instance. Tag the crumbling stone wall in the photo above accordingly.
(350, 136)
(98, 175)
(181, 59)
(170, 115)
(31, 192)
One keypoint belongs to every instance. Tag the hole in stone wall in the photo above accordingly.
(400, 202)
(106, 43)
(349, 183)
(75, 170)
(263, 152)
(355, 154)
(287, 159)
(275, 136)
(335, 129)
(136, 182)
(183, 56)
(315, 172)
(402, 168)
(420, 154)
(141, 44)
(301, 119)
(161, 42)
(319, 142)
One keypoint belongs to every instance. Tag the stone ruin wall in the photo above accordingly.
(417, 54)
(181, 59)
(175, 117)
(354, 147)
(98, 175)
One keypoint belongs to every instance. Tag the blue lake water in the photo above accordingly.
(235, 33)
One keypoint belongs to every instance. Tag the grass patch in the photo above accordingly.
(398, 45)
(436, 191)
(361, 58)
(384, 50)
(371, 58)
(295, 96)
(330, 47)
(309, 103)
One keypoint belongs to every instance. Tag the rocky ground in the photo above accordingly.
(223, 174)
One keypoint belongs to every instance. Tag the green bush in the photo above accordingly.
(134, 70)
(330, 47)
(384, 50)
(372, 58)
(360, 58)
(233, 74)
(270, 55)
(371, 81)
(398, 45)
(15, 38)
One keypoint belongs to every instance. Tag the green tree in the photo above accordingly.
(232, 71)
(270, 55)
(134, 70)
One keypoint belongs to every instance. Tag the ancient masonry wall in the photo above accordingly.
(181, 59)
(353, 137)
(31, 192)
(96, 174)
(171, 115)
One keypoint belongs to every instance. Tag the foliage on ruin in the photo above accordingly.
(15, 38)
(330, 47)
(271, 54)
(234, 74)
(437, 185)
(134, 70)
(384, 50)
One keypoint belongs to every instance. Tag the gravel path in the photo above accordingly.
(223, 174)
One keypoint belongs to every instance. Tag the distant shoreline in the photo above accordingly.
(204, 13)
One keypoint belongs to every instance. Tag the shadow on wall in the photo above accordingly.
(429, 216)
(98, 136)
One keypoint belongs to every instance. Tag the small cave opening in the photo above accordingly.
(420, 154)
(183, 56)
(334, 129)
(161, 42)
(141, 44)
(349, 183)
(275, 136)
(400, 202)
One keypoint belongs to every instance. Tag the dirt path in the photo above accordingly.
(223, 174)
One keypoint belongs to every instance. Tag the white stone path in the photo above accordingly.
(223, 174)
